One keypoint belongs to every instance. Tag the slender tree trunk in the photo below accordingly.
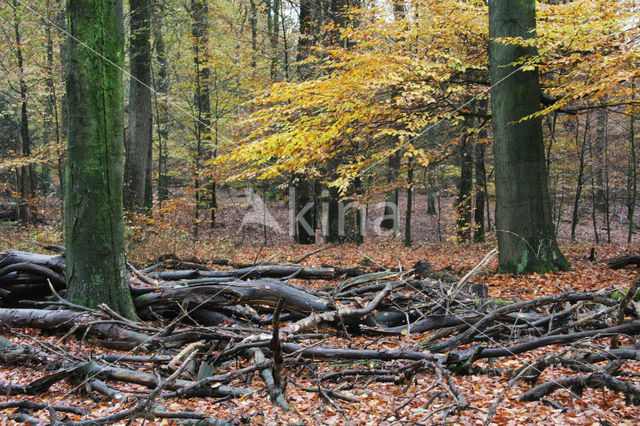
(580, 148)
(390, 218)
(480, 189)
(332, 200)
(526, 239)
(63, 125)
(464, 199)
(594, 218)
(200, 33)
(305, 41)
(161, 85)
(52, 107)
(633, 176)
(25, 174)
(607, 190)
(253, 23)
(138, 142)
(285, 43)
(407, 223)
(273, 29)
(304, 232)
(601, 142)
(96, 269)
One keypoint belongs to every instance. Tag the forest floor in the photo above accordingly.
(372, 402)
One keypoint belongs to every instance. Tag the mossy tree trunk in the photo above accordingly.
(526, 238)
(138, 143)
(96, 271)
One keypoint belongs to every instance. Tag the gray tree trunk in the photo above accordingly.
(200, 33)
(464, 199)
(161, 85)
(25, 173)
(526, 238)
(138, 143)
(96, 271)
(480, 188)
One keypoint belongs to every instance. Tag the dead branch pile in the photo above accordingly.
(195, 321)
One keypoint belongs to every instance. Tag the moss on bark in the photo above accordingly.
(526, 237)
(96, 270)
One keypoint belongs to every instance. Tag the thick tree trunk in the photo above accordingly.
(96, 270)
(138, 143)
(526, 238)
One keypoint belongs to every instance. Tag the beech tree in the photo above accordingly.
(138, 143)
(96, 270)
(526, 237)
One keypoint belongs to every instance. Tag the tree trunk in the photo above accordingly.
(25, 173)
(96, 270)
(526, 238)
(390, 218)
(581, 148)
(633, 177)
(407, 223)
(139, 141)
(464, 199)
(331, 208)
(161, 85)
(601, 142)
(304, 212)
(480, 188)
(52, 104)
(253, 23)
(200, 33)
(594, 217)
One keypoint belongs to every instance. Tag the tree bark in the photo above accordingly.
(139, 141)
(633, 175)
(25, 173)
(407, 223)
(480, 188)
(200, 33)
(526, 238)
(464, 200)
(96, 269)
(305, 226)
(161, 85)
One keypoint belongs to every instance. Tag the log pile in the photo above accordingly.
(193, 321)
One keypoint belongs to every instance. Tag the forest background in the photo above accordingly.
(240, 113)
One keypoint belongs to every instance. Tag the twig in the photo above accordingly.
(480, 266)
(311, 253)
(496, 403)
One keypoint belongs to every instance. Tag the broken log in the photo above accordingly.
(264, 292)
(623, 261)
